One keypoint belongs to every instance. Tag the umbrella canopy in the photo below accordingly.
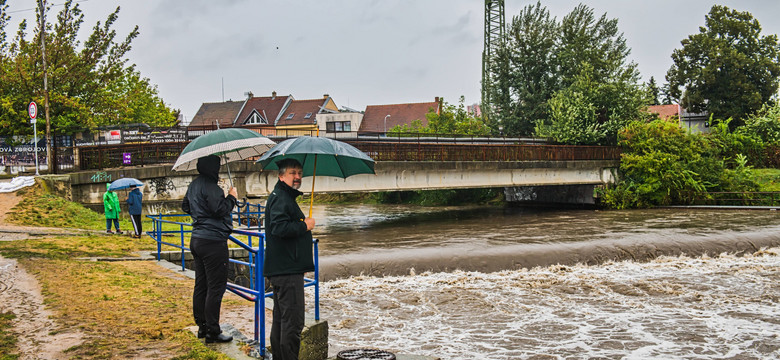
(124, 183)
(229, 144)
(319, 156)
(334, 158)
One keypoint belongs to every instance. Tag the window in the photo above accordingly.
(308, 115)
(255, 118)
(289, 117)
(338, 126)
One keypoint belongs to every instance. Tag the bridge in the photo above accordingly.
(401, 166)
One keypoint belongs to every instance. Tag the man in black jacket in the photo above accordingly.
(288, 256)
(211, 224)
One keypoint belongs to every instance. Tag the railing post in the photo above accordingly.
(260, 303)
(181, 232)
(316, 280)
(157, 225)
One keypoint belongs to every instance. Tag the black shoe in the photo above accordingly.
(201, 334)
(219, 338)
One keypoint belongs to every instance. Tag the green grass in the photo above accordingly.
(7, 339)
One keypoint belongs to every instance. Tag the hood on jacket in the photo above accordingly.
(108, 186)
(209, 166)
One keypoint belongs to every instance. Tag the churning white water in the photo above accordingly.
(723, 307)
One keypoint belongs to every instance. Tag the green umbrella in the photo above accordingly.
(319, 156)
(229, 144)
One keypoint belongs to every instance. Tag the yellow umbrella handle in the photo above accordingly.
(313, 177)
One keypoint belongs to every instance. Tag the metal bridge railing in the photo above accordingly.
(256, 291)
(745, 198)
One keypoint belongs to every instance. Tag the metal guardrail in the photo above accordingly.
(746, 198)
(256, 292)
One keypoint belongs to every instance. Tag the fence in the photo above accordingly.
(256, 291)
(765, 198)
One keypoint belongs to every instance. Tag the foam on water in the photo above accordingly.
(671, 307)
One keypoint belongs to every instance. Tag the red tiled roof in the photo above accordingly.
(374, 117)
(295, 114)
(210, 113)
(664, 111)
(267, 106)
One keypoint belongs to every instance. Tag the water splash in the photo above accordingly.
(668, 308)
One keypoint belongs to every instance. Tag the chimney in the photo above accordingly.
(325, 96)
(273, 95)
(249, 95)
(438, 104)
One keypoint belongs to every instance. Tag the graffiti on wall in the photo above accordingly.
(161, 186)
(100, 176)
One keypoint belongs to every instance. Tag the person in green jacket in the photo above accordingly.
(111, 207)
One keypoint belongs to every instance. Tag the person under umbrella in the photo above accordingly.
(134, 208)
(111, 209)
(288, 256)
(211, 225)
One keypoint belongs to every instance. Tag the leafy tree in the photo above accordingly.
(765, 124)
(89, 85)
(653, 91)
(663, 164)
(545, 57)
(592, 112)
(728, 68)
(452, 120)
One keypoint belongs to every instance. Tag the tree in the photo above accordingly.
(544, 57)
(653, 91)
(592, 112)
(664, 164)
(728, 69)
(452, 120)
(89, 85)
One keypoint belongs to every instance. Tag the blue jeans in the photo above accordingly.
(108, 224)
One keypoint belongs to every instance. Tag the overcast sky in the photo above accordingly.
(361, 52)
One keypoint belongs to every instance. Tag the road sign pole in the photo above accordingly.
(32, 110)
(35, 136)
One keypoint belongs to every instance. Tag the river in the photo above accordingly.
(508, 283)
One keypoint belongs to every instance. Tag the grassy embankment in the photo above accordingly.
(123, 308)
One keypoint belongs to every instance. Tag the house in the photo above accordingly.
(378, 119)
(301, 116)
(262, 112)
(211, 114)
(341, 124)
(694, 122)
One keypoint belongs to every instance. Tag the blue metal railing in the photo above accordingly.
(249, 215)
(254, 264)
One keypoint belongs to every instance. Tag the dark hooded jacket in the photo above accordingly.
(134, 199)
(288, 245)
(206, 203)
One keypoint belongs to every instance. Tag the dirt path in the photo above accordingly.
(39, 337)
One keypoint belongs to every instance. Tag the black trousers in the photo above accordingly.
(211, 271)
(288, 316)
(136, 219)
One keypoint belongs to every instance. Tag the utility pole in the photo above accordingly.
(494, 36)
(49, 160)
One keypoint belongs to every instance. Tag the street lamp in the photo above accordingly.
(386, 116)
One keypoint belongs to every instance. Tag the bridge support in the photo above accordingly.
(551, 194)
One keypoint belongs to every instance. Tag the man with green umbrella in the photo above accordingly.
(288, 256)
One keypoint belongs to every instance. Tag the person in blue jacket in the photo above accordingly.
(134, 208)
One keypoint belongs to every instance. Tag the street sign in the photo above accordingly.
(127, 158)
(32, 109)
